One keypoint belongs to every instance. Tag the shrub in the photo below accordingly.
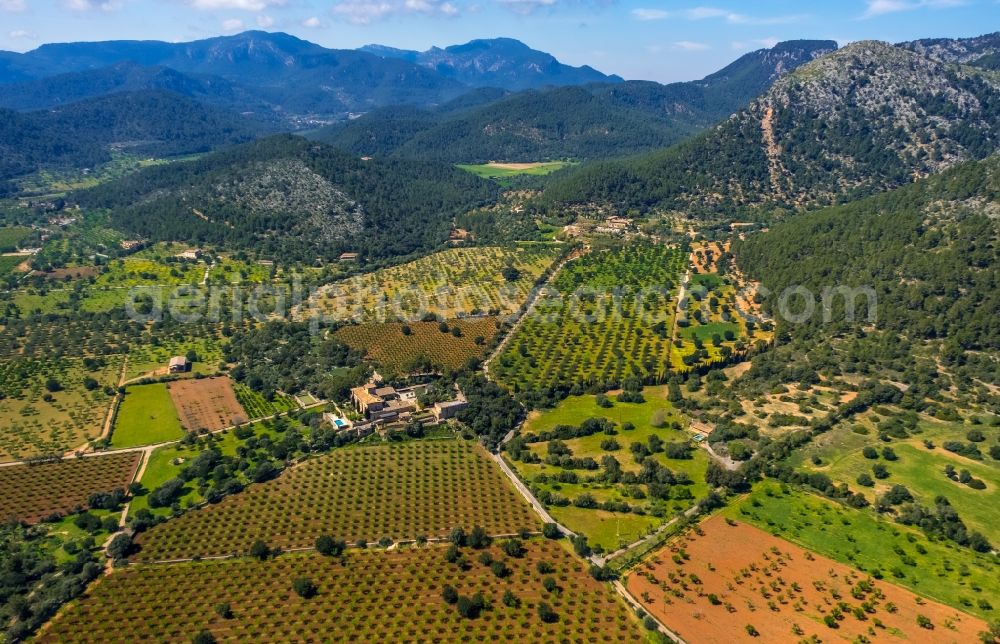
(478, 538)
(549, 584)
(546, 614)
(304, 587)
(513, 548)
(259, 550)
(330, 547)
(500, 569)
(649, 623)
(510, 600)
(449, 594)
(751, 631)
(225, 611)
(203, 637)
(551, 531)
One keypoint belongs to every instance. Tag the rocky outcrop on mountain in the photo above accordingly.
(863, 119)
(956, 50)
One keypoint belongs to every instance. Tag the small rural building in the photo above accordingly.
(190, 255)
(448, 409)
(349, 257)
(178, 364)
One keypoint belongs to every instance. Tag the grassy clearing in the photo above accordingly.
(12, 236)
(611, 529)
(939, 570)
(150, 358)
(505, 170)
(919, 468)
(146, 416)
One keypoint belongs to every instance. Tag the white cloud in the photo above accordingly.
(92, 5)
(650, 14)
(688, 45)
(312, 22)
(883, 7)
(526, 6)
(243, 5)
(714, 13)
(265, 21)
(363, 12)
(233, 24)
(21, 34)
(12, 5)
(767, 43)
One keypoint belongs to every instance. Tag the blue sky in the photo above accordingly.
(650, 39)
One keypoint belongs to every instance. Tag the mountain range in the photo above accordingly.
(279, 72)
(583, 122)
(868, 117)
(498, 62)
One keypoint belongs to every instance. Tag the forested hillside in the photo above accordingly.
(929, 250)
(866, 118)
(151, 122)
(64, 89)
(288, 198)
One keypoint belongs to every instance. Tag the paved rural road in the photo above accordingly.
(528, 496)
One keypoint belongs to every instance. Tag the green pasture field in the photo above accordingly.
(497, 171)
(9, 262)
(937, 569)
(146, 416)
(605, 528)
(12, 236)
(918, 468)
(167, 462)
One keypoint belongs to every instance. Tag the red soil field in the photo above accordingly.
(32, 492)
(206, 403)
(720, 585)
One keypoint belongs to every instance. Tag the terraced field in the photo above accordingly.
(32, 492)
(390, 344)
(609, 317)
(449, 284)
(392, 596)
(399, 491)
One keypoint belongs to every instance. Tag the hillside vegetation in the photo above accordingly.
(284, 196)
(866, 118)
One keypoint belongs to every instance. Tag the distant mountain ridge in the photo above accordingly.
(584, 122)
(497, 62)
(148, 122)
(279, 72)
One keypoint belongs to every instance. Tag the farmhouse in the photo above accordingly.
(178, 364)
(614, 226)
(349, 257)
(190, 255)
(385, 403)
